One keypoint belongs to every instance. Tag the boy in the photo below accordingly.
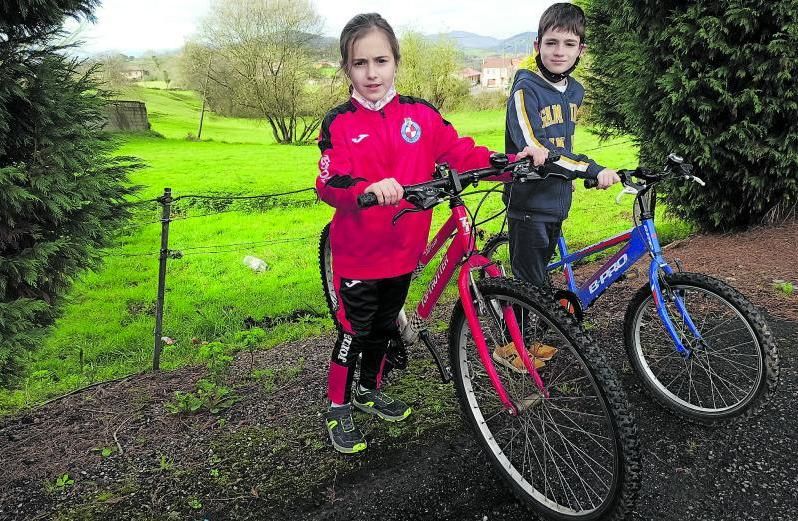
(541, 113)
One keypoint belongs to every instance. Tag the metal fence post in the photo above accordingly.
(166, 203)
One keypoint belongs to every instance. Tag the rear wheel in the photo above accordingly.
(733, 369)
(573, 455)
(325, 269)
(497, 249)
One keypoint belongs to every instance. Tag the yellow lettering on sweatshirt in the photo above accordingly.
(557, 113)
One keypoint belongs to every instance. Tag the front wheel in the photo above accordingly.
(573, 455)
(733, 368)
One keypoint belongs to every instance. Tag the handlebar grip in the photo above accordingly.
(367, 199)
(591, 183)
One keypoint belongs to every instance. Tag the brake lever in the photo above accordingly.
(524, 177)
(630, 190)
(626, 180)
(422, 201)
(403, 211)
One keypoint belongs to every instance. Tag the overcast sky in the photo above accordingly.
(134, 26)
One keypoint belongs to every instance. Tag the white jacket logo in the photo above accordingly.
(324, 168)
(617, 265)
(359, 138)
(346, 343)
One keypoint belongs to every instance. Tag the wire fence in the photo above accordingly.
(169, 214)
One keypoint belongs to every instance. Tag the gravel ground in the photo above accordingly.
(268, 457)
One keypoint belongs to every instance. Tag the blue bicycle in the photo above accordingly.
(700, 348)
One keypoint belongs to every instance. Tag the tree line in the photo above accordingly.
(258, 58)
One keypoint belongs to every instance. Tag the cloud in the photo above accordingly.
(498, 18)
(145, 24)
(130, 26)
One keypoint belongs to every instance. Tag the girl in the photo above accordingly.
(376, 142)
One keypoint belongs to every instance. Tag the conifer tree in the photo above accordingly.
(716, 82)
(61, 193)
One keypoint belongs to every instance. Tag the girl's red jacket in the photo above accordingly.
(403, 140)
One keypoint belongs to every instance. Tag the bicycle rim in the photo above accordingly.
(498, 250)
(560, 453)
(325, 269)
(724, 373)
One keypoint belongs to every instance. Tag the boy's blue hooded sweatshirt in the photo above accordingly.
(538, 115)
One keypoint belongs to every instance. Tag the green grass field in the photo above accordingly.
(107, 325)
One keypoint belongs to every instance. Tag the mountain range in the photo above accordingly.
(469, 42)
(518, 44)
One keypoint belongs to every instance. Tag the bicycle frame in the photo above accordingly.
(639, 240)
(462, 252)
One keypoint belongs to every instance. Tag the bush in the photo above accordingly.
(713, 81)
(485, 100)
(61, 193)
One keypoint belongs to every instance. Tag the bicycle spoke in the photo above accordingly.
(727, 381)
(577, 428)
(716, 350)
(705, 336)
(573, 467)
(582, 454)
(552, 453)
(737, 365)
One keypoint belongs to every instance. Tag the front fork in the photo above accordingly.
(468, 294)
(661, 296)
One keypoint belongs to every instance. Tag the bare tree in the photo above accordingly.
(160, 63)
(111, 72)
(257, 53)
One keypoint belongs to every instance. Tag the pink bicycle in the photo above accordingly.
(556, 425)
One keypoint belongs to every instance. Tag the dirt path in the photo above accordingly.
(267, 457)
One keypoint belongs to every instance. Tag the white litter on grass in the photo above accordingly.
(257, 265)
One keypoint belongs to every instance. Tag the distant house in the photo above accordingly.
(472, 75)
(136, 74)
(324, 64)
(497, 72)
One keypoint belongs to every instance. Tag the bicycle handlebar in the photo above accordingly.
(448, 182)
(675, 166)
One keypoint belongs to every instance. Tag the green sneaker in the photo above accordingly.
(345, 436)
(377, 402)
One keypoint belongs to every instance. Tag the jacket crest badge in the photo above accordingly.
(411, 131)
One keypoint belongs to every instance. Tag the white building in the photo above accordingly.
(497, 72)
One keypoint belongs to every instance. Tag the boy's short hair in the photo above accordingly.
(565, 17)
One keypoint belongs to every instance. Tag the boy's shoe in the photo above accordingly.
(345, 436)
(539, 353)
(377, 402)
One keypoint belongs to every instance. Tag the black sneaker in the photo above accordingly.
(345, 436)
(377, 402)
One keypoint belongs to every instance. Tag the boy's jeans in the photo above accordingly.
(532, 245)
